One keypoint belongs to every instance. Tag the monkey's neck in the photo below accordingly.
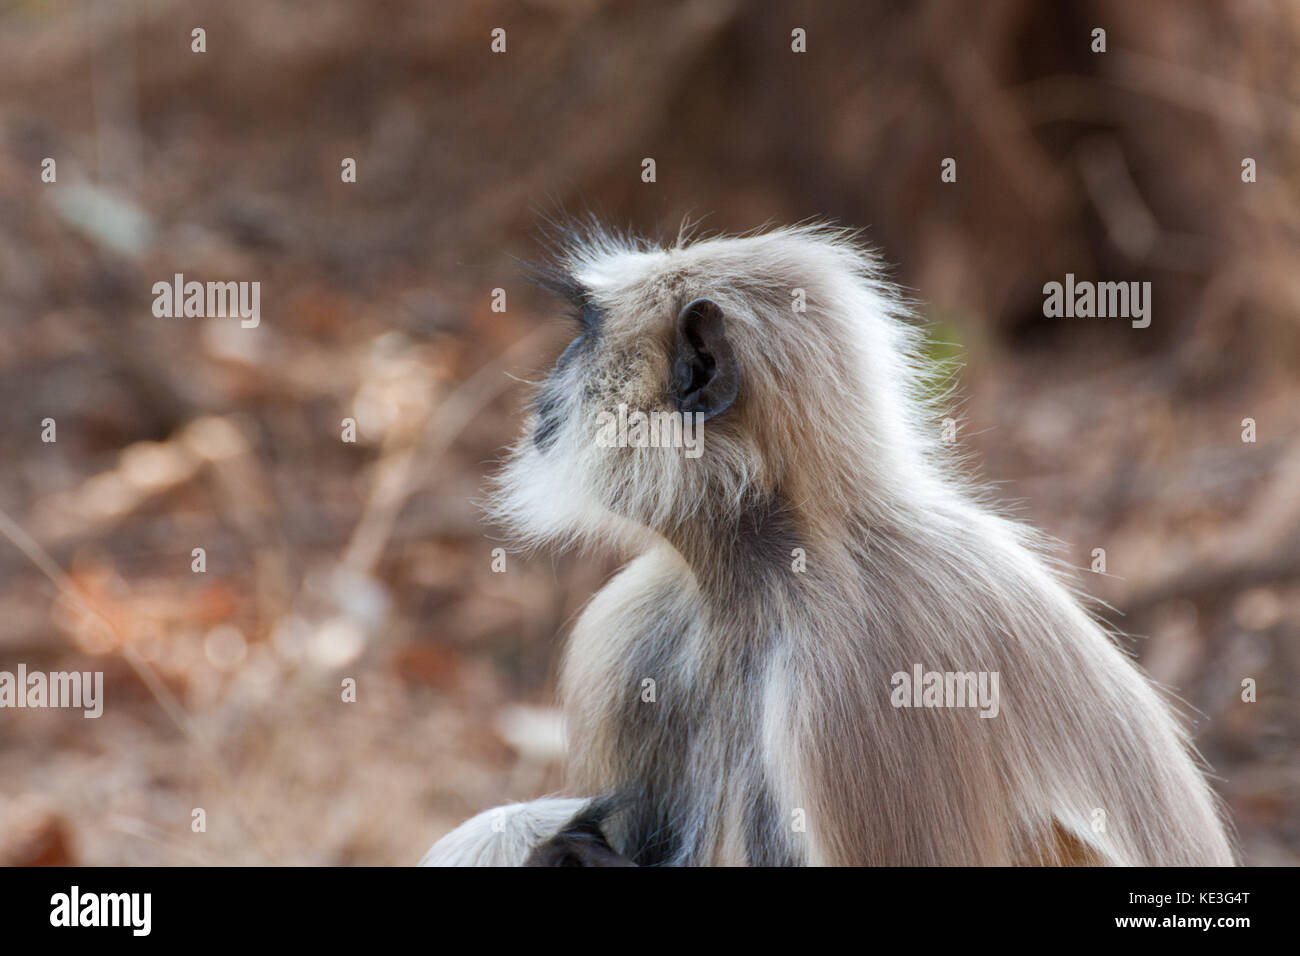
(747, 560)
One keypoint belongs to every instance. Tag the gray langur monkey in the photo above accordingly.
(739, 693)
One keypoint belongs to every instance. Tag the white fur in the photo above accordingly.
(504, 836)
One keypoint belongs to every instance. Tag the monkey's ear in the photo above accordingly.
(705, 375)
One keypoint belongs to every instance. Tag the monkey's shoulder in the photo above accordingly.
(638, 620)
(656, 587)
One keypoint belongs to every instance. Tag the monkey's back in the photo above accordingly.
(772, 739)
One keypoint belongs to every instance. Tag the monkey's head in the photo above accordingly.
(714, 376)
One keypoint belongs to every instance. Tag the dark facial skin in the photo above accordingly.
(548, 400)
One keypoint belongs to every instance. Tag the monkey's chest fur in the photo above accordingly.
(664, 698)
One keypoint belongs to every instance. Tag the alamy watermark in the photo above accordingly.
(922, 688)
(655, 429)
(1086, 300)
(212, 300)
(133, 911)
(84, 689)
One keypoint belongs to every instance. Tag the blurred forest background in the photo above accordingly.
(327, 560)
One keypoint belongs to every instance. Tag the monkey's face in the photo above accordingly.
(630, 369)
(636, 418)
